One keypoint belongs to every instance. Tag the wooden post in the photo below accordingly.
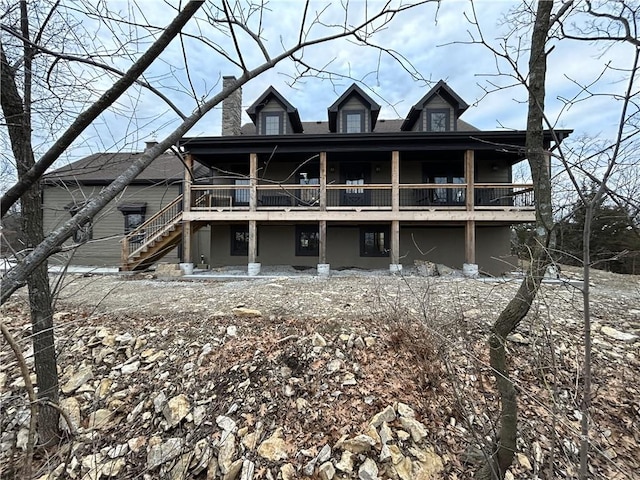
(469, 177)
(470, 242)
(186, 207)
(253, 181)
(395, 181)
(253, 241)
(323, 182)
(322, 242)
(395, 242)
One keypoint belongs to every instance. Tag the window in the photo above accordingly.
(353, 121)
(374, 241)
(83, 233)
(242, 194)
(307, 240)
(438, 120)
(134, 216)
(272, 123)
(240, 240)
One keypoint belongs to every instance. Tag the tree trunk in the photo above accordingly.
(502, 455)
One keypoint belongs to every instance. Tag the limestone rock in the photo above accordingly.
(76, 381)
(359, 444)
(318, 340)
(72, 408)
(429, 466)
(417, 430)
(234, 470)
(225, 423)
(176, 409)
(274, 448)
(248, 468)
(386, 415)
(136, 443)
(368, 470)
(618, 335)
(326, 471)
(346, 462)
(405, 410)
(179, 470)
(288, 471)
(226, 453)
(130, 368)
(112, 468)
(164, 452)
(404, 469)
(246, 312)
(100, 419)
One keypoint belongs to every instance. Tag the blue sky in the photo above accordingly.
(433, 38)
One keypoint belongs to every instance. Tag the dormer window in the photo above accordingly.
(438, 120)
(353, 121)
(272, 123)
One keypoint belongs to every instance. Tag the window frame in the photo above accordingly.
(263, 123)
(345, 116)
(234, 251)
(432, 111)
(307, 252)
(375, 229)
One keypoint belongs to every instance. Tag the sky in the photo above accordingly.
(433, 40)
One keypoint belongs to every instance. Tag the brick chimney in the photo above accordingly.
(231, 109)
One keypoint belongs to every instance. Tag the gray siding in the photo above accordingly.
(274, 106)
(354, 104)
(108, 227)
(439, 103)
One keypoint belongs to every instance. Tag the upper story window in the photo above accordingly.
(353, 121)
(272, 123)
(438, 120)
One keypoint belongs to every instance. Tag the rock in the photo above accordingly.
(443, 270)
(404, 468)
(159, 401)
(232, 330)
(198, 414)
(429, 466)
(326, 471)
(225, 423)
(385, 453)
(346, 462)
(385, 434)
(234, 470)
(23, 438)
(334, 365)
(618, 335)
(100, 419)
(246, 312)
(72, 408)
(248, 467)
(288, 471)
(125, 338)
(119, 450)
(112, 468)
(226, 452)
(359, 444)
(524, 461)
(417, 430)
(164, 452)
(368, 470)
(386, 415)
(349, 379)
(176, 409)
(405, 410)
(136, 443)
(518, 338)
(274, 448)
(130, 368)
(202, 454)
(250, 440)
(179, 470)
(76, 381)
(324, 455)
(426, 269)
(318, 340)
(103, 388)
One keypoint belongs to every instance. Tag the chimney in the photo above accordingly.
(150, 144)
(231, 109)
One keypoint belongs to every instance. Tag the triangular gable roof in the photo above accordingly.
(352, 90)
(292, 112)
(443, 90)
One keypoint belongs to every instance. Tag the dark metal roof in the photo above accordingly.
(103, 168)
(442, 89)
(353, 90)
(292, 112)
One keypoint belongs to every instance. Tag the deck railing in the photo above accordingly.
(362, 196)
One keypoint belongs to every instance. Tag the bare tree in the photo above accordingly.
(242, 24)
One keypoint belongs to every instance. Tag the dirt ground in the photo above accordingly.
(385, 339)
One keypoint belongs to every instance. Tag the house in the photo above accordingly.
(352, 190)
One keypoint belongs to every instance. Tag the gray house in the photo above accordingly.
(352, 190)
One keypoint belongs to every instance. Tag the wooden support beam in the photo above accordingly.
(322, 241)
(253, 241)
(395, 180)
(253, 181)
(186, 207)
(469, 175)
(470, 242)
(323, 180)
(395, 242)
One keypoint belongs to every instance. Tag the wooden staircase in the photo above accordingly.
(156, 237)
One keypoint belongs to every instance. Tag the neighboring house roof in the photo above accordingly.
(445, 91)
(102, 168)
(292, 112)
(351, 91)
(382, 126)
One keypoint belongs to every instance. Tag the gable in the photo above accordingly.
(441, 99)
(352, 102)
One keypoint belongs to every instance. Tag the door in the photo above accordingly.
(354, 175)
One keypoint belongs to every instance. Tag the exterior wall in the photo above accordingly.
(108, 227)
(276, 246)
(274, 106)
(354, 104)
(493, 172)
(440, 103)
